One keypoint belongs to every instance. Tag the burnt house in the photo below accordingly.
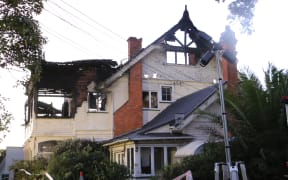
(62, 88)
(149, 110)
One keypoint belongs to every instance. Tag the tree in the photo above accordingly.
(72, 156)
(5, 118)
(20, 43)
(257, 121)
(20, 38)
(35, 168)
(261, 123)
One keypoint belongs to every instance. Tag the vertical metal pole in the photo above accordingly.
(218, 54)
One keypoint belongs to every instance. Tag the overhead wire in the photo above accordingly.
(85, 22)
(71, 24)
(91, 19)
(67, 40)
(78, 27)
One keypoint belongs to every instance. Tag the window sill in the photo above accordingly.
(165, 101)
(174, 64)
(151, 109)
(96, 111)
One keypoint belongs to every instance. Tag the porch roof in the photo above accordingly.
(191, 148)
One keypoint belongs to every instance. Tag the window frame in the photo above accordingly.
(92, 96)
(176, 57)
(150, 100)
(152, 159)
(148, 163)
(171, 93)
(118, 157)
(130, 158)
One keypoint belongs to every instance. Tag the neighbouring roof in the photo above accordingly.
(185, 105)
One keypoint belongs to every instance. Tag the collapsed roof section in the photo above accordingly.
(61, 77)
(185, 37)
(63, 86)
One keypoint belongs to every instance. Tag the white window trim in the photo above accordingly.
(132, 163)
(160, 94)
(150, 102)
(177, 58)
(152, 147)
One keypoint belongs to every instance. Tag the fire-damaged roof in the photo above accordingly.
(62, 76)
(192, 44)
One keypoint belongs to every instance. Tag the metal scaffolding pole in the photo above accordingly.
(218, 55)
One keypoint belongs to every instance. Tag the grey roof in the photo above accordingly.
(185, 105)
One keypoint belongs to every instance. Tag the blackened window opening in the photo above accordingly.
(97, 101)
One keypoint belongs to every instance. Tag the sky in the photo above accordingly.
(90, 29)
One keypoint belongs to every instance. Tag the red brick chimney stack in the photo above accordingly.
(134, 46)
(129, 117)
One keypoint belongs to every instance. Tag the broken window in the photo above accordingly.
(181, 48)
(166, 92)
(28, 110)
(53, 105)
(150, 99)
(97, 101)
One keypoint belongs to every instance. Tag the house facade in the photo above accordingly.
(64, 104)
(178, 109)
(151, 111)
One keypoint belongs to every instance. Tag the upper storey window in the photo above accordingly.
(150, 99)
(97, 101)
(166, 93)
(180, 47)
(175, 57)
(51, 103)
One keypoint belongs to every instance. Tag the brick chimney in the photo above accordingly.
(134, 46)
(230, 73)
(129, 117)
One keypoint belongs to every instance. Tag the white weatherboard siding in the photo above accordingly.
(156, 63)
(119, 92)
(184, 79)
